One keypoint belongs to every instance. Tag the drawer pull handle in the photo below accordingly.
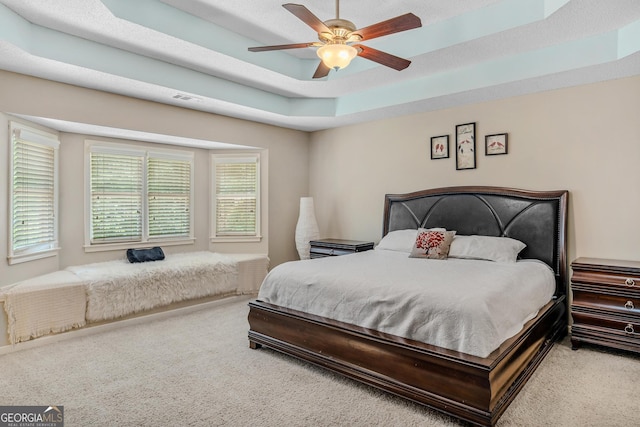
(629, 329)
(630, 282)
(629, 305)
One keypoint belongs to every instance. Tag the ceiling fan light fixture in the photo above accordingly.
(339, 39)
(337, 55)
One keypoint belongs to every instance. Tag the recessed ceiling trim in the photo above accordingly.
(87, 54)
(573, 55)
(629, 40)
(154, 49)
(502, 16)
(165, 19)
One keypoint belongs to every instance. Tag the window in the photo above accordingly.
(169, 195)
(33, 201)
(116, 196)
(236, 206)
(138, 196)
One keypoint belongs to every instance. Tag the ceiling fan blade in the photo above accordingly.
(307, 17)
(400, 23)
(321, 71)
(280, 46)
(381, 57)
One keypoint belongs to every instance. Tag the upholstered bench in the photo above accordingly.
(119, 288)
(71, 298)
(50, 303)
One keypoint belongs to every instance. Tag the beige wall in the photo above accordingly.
(287, 152)
(584, 139)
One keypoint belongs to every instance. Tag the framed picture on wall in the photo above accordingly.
(466, 146)
(495, 144)
(440, 147)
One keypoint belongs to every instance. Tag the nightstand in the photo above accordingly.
(606, 303)
(335, 247)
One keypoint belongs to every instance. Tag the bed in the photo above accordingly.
(469, 385)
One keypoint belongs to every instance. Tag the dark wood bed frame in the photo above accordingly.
(474, 389)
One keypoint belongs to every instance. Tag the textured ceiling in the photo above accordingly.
(193, 53)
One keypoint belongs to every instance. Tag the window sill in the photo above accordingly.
(134, 245)
(236, 239)
(17, 259)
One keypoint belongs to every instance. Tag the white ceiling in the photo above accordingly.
(466, 51)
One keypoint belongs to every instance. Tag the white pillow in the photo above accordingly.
(500, 249)
(399, 240)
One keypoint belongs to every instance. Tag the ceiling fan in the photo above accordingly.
(339, 39)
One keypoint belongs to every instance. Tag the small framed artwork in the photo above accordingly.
(440, 147)
(466, 146)
(495, 144)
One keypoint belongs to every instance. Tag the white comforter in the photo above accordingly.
(470, 306)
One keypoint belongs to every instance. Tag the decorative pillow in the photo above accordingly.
(143, 255)
(500, 249)
(399, 240)
(433, 243)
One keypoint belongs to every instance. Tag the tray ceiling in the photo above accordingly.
(193, 53)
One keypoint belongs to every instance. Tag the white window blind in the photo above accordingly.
(138, 196)
(237, 196)
(33, 204)
(116, 197)
(169, 193)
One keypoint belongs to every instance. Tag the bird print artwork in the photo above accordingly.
(496, 144)
(440, 147)
(465, 146)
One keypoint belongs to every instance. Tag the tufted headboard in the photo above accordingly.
(537, 218)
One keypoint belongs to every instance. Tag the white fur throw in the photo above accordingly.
(119, 288)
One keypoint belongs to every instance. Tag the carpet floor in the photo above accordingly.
(197, 370)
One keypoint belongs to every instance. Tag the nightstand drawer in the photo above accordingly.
(336, 247)
(592, 324)
(322, 251)
(623, 305)
(619, 282)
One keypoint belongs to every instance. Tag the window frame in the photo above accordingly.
(146, 153)
(41, 138)
(257, 236)
(165, 156)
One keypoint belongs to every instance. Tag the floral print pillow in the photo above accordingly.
(432, 243)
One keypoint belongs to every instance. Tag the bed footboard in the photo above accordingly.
(474, 389)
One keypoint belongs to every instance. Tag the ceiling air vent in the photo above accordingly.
(184, 97)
